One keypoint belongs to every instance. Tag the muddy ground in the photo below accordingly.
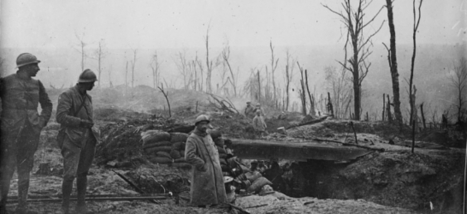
(393, 181)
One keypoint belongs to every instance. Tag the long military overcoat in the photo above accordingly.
(72, 108)
(207, 187)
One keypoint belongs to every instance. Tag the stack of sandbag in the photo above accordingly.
(253, 181)
(178, 140)
(163, 147)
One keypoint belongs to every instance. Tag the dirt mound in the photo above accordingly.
(400, 179)
(280, 203)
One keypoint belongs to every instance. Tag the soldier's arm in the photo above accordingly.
(46, 104)
(191, 156)
(63, 108)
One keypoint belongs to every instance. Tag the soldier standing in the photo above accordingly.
(21, 125)
(76, 138)
(249, 110)
(207, 181)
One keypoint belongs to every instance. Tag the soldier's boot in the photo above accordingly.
(67, 187)
(81, 184)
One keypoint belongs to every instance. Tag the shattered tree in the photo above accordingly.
(353, 20)
(392, 59)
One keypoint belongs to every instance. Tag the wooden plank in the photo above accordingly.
(309, 150)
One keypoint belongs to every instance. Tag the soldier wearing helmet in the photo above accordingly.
(76, 138)
(21, 125)
(207, 181)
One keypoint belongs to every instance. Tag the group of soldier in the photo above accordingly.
(257, 116)
(21, 125)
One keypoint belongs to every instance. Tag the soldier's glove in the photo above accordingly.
(86, 124)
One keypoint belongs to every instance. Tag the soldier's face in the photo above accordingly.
(202, 126)
(88, 86)
(32, 69)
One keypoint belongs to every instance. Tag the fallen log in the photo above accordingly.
(308, 122)
(223, 104)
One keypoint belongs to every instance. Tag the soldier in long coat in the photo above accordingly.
(76, 138)
(21, 125)
(207, 181)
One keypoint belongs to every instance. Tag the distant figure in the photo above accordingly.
(21, 126)
(76, 138)
(207, 181)
(258, 107)
(249, 110)
(258, 123)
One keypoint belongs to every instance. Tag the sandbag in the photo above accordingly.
(157, 149)
(219, 142)
(178, 137)
(222, 156)
(214, 133)
(175, 154)
(156, 144)
(252, 176)
(163, 154)
(178, 146)
(155, 136)
(225, 168)
(223, 162)
(221, 150)
(180, 160)
(258, 184)
(160, 160)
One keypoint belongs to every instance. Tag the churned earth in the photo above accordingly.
(389, 181)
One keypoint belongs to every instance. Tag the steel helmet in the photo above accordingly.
(87, 76)
(26, 59)
(202, 118)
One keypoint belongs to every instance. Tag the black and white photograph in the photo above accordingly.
(233, 107)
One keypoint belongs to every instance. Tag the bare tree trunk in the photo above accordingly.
(259, 87)
(384, 106)
(414, 37)
(388, 110)
(288, 78)
(274, 63)
(100, 54)
(393, 66)
(166, 95)
(423, 116)
(83, 55)
(353, 20)
(330, 108)
(302, 91)
(155, 69)
(133, 64)
(126, 74)
(312, 102)
(208, 65)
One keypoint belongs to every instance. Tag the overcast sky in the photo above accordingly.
(183, 23)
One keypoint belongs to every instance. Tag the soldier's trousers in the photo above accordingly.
(77, 161)
(17, 152)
